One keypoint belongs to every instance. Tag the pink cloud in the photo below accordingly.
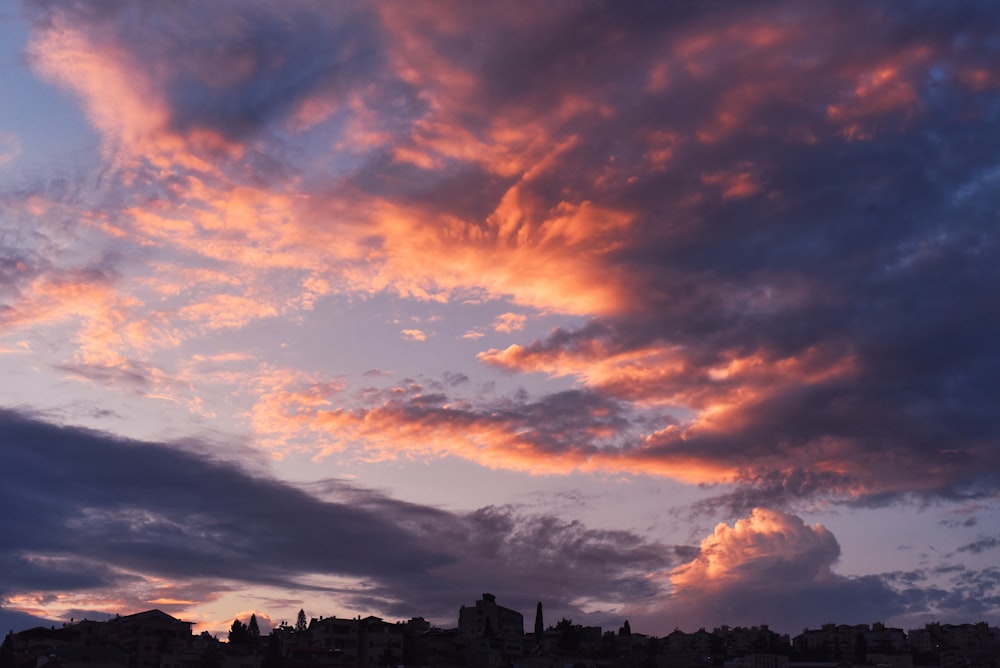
(10, 148)
(769, 568)
(563, 186)
(414, 334)
(766, 550)
(509, 322)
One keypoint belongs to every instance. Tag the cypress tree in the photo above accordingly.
(253, 632)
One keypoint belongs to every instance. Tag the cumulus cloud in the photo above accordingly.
(768, 568)
(757, 551)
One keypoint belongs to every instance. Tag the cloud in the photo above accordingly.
(130, 525)
(10, 148)
(768, 568)
(776, 224)
(414, 334)
(557, 433)
(981, 545)
(525, 557)
(509, 322)
(125, 501)
(757, 549)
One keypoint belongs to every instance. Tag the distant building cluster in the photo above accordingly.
(489, 635)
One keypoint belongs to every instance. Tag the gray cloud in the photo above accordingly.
(174, 513)
(92, 508)
(981, 545)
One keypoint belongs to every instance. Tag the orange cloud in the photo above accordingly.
(509, 322)
(764, 543)
(120, 99)
(880, 90)
(769, 567)
(130, 592)
(545, 254)
(285, 403)
(568, 187)
(661, 374)
(223, 311)
(414, 334)
(222, 626)
(85, 299)
(733, 184)
(295, 412)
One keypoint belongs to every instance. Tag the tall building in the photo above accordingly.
(495, 634)
(487, 618)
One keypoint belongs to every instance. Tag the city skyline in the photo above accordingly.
(682, 312)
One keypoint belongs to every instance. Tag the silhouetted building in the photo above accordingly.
(494, 634)
(488, 618)
(151, 638)
(950, 645)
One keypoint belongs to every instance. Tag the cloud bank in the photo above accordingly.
(106, 525)
(781, 241)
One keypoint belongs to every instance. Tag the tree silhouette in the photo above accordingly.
(300, 621)
(239, 635)
(253, 633)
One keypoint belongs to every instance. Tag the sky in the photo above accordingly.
(681, 312)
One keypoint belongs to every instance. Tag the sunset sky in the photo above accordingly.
(686, 313)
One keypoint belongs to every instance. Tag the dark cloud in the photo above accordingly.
(838, 222)
(233, 68)
(964, 593)
(876, 252)
(172, 512)
(11, 620)
(130, 375)
(93, 511)
(522, 558)
(981, 545)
